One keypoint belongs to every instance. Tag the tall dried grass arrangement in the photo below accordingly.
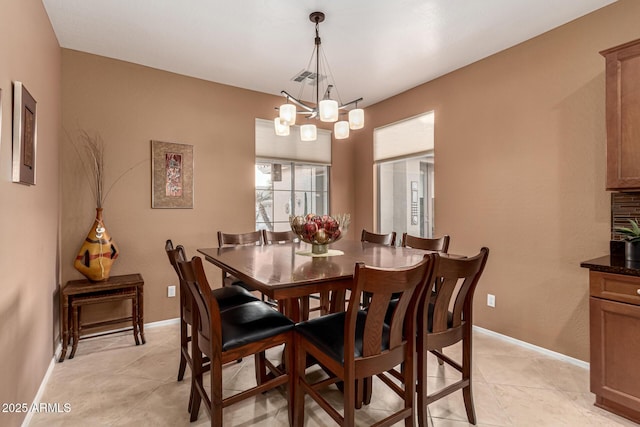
(90, 149)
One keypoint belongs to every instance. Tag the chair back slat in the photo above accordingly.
(440, 244)
(456, 279)
(272, 237)
(381, 239)
(403, 284)
(241, 239)
(208, 313)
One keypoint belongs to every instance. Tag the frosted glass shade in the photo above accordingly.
(341, 130)
(329, 110)
(356, 118)
(308, 132)
(288, 114)
(282, 129)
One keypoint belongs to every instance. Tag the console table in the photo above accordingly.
(77, 293)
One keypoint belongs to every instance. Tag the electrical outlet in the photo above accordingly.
(491, 300)
(171, 291)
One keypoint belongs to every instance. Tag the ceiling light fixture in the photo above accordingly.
(325, 109)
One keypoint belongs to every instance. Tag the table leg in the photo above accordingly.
(292, 309)
(134, 317)
(76, 330)
(304, 308)
(141, 313)
(64, 327)
(338, 300)
(324, 303)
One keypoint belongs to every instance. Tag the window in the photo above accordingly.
(292, 176)
(404, 158)
(289, 188)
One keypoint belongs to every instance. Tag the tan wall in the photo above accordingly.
(129, 105)
(29, 52)
(520, 168)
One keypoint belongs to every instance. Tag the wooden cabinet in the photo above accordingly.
(614, 311)
(623, 116)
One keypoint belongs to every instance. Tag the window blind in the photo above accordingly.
(270, 145)
(408, 137)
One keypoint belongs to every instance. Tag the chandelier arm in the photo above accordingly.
(297, 102)
(345, 105)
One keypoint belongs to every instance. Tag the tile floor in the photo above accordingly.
(112, 382)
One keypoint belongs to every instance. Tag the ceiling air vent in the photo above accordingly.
(308, 77)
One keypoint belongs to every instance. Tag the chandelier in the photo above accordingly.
(325, 108)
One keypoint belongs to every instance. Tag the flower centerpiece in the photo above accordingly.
(320, 230)
(632, 240)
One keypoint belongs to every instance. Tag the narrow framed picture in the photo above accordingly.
(171, 175)
(24, 135)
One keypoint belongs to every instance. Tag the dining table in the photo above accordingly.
(289, 273)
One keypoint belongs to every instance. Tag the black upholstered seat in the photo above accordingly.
(226, 297)
(224, 335)
(231, 296)
(353, 346)
(251, 322)
(327, 333)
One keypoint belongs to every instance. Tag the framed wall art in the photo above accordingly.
(24, 135)
(171, 175)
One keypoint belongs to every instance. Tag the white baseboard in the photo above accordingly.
(43, 385)
(546, 352)
(159, 323)
(56, 356)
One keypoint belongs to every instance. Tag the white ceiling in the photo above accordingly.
(375, 48)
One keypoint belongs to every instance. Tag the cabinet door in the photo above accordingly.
(623, 116)
(615, 346)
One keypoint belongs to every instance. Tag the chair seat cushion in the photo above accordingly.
(234, 281)
(327, 333)
(250, 322)
(230, 296)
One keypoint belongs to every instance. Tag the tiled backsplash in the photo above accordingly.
(624, 206)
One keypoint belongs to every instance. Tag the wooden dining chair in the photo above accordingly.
(227, 297)
(228, 335)
(271, 237)
(428, 244)
(252, 238)
(357, 344)
(446, 320)
(381, 239)
(438, 244)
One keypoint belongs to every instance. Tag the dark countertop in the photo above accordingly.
(612, 264)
